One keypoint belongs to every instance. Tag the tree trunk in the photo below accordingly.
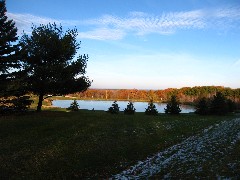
(40, 100)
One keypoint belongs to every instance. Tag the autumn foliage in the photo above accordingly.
(185, 95)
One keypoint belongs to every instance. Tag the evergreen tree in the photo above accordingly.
(130, 109)
(22, 103)
(202, 106)
(15, 104)
(114, 109)
(173, 106)
(8, 36)
(48, 56)
(151, 109)
(219, 104)
(12, 88)
(9, 52)
(73, 106)
(231, 105)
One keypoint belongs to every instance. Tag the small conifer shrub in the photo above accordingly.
(173, 106)
(232, 106)
(202, 106)
(219, 105)
(15, 104)
(130, 109)
(114, 109)
(74, 106)
(151, 109)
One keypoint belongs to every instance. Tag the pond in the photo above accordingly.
(104, 105)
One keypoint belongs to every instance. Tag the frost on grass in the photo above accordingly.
(197, 156)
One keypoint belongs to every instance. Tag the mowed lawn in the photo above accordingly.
(87, 144)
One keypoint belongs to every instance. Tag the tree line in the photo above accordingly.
(42, 62)
(185, 95)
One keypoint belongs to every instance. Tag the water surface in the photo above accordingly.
(104, 105)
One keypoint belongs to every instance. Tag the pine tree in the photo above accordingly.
(130, 109)
(8, 52)
(202, 106)
(114, 109)
(151, 109)
(12, 88)
(173, 106)
(219, 105)
(73, 106)
(231, 105)
(48, 56)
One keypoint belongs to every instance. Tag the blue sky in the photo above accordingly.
(147, 44)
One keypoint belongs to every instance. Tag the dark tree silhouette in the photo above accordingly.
(48, 56)
(219, 104)
(151, 109)
(73, 106)
(202, 106)
(231, 105)
(114, 109)
(8, 51)
(12, 88)
(130, 109)
(173, 106)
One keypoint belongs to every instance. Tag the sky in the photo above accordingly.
(146, 44)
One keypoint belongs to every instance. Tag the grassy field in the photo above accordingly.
(87, 144)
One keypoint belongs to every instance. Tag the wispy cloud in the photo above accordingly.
(142, 23)
(109, 27)
(24, 22)
(103, 34)
(230, 12)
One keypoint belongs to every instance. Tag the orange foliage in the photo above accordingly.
(185, 94)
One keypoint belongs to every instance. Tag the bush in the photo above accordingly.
(22, 103)
(130, 109)
(114, 109)
(232, 106)
(151, 109)
(202, 106)
(74, 106)
(15, 104)
(173, 106)
(219, 105)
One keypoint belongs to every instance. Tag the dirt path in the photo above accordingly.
(209, 154)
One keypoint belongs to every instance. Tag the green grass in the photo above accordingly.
(58, 144)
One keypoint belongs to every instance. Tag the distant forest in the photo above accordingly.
(185, 94)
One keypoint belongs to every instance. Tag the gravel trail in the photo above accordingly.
(196, 157)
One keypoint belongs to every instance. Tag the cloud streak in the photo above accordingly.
(142, 23)
(103, 34)
(109, 27)
(24, 22)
